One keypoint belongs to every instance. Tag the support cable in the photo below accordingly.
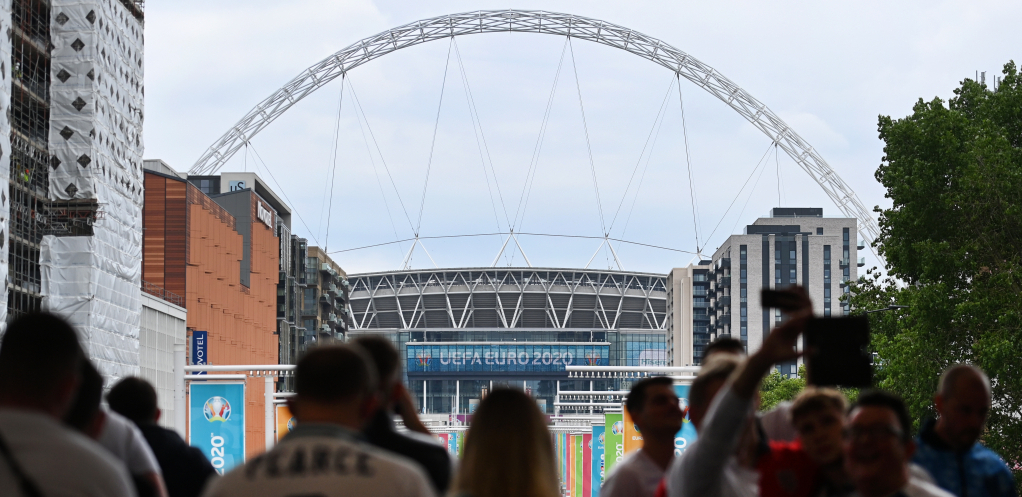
(642, 177)
(523, 201)
(282, 192)
(376, 171)
(333, 174)
(553, 235)
(358, 106)
(638, 163)
(481, 140)
(432, 146)
(753, 173)
(688, 160)
(337, 134)
(754, 185)
(589, 146)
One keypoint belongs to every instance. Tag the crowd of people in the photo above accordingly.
(57, 439)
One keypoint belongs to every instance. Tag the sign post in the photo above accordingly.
(217, 427)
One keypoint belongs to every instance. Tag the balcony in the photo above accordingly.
(701, 305)
(325, 329)
(724, 262)
(861, 262)
(843, 263)
(724, 282)
(328, 269)
(861, 245)
(724, 300)
(332, 290)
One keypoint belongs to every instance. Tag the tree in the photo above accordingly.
(777, 388)
(953, 243)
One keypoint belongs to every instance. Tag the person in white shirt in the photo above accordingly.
(878, 449)
(40, 360)
(654, 408)
(721, 462)
(116, 434)
(335, 387)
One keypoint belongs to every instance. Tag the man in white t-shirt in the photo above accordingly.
(116, 434)
(40, 360)
(654, 408)
(335, 387)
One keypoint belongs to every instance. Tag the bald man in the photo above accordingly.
(948, 448)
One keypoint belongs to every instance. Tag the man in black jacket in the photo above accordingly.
(185, 468)
(380, 431)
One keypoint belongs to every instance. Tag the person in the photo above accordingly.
(654, 408)
(185, 468)
(878, 448)
(721, 462)
(775, 423)
(335, 387)
(949, 447)
(40, 369)
(818, 416)
(115, 433)
(508, 450)
(380, 431)
(725, 344)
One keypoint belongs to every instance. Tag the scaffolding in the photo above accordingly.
(29, 157)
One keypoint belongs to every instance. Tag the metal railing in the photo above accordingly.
(162, 293)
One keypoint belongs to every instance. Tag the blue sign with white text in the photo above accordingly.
(217, 423)
(599, 443)
(503, 358)
(199, 357)
(684, 438)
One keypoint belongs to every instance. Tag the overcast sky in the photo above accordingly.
(828, 69)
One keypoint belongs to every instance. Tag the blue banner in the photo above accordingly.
(599, 442)
(217, 423)
(199, 357)
(503, 358)
(684, 438)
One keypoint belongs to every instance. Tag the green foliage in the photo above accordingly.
(952, 238)
(777, 388)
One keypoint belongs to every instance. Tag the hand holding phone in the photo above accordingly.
(837, 352)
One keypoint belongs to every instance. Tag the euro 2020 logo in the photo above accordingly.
(291, 424)
(683, 404)
(601, 438)
(617, 428)
(216, 409)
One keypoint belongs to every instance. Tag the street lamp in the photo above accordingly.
(888, 308)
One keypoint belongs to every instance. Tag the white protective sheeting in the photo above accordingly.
(5, 154)
(96, 135)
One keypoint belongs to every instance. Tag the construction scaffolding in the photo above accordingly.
(27, 172)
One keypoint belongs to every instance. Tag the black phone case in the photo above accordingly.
(838, 352)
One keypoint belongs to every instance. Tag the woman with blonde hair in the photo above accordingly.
(508, 450)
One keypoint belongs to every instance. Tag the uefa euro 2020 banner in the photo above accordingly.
(683, 440)
(614, 441)
(503, 357)
(217, 422)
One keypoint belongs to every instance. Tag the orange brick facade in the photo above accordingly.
(240, 320)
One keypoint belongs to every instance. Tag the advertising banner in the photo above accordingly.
(442, 438)
(502, 358)
(615, 431)
(687, 434)
(285, 421)
(633, 438)
(599, 442)
(217, 422)
(587, 465)
(577, 459)
(571, 465)
(199, 357)
(452, 443)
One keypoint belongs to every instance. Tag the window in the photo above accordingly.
(699, 277)
(744, 311)
(819, 231)
(745, 273)
(744, 292)
(743, 252)
(777, 256)
(791, 275)
(826, 292)
(845, 235)
(791, 255)
(826, 274)
(826, 311)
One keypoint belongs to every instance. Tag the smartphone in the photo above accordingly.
(781, 299)
(837, 352)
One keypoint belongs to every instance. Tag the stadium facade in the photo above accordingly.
(462, 332)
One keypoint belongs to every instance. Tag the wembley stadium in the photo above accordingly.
(463, 332)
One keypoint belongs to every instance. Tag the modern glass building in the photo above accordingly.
(463, 332)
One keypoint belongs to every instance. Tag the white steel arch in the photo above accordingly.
(537, 21)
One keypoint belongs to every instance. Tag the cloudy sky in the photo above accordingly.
(828, 69)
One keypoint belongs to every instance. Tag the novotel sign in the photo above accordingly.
(264, 215)
(502, 357)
